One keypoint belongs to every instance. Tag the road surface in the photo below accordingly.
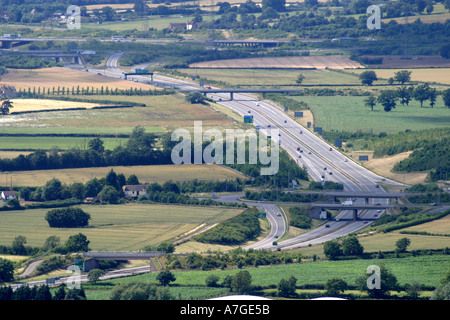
(322, 161)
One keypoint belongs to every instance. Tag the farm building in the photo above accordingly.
(134, 191)
(8, 195)
(186, 26)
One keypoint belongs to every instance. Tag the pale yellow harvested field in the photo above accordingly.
(434, 18)
(26, 105)
(383, 166)
(318, 62)
(438, 75)
(62, 77)
(145, 174)
(441, 226)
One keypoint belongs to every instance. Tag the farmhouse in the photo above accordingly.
(134, 191)
(187, 26)
(8, 195)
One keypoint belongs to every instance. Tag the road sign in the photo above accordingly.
(79, 264)
(248, 119)
(262, 215)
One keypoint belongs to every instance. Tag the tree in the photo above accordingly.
(242, 282)
(111, 180)
(51, 243)
(402, 244)
(420, 5)
(212, 280)
(109, 194)
(6, 270)
(96, 145)
(432, 97)
(195, 97)
(446, 97)
(18, 245)
(444, 51)
(52, 190)
(43, 293)
(403, 76)
(388, 99)
(67, 218)
(286, 287)
(413, 289)
(92, 188)
(5, 107)
(335, 287)
(388, 283)
(77, 190)
(368, 77)
(132, 180)
(95, 274)
(405, 94)
(140, 7)
(278, 5)
(77, 243)
(300, 79)
(352, 247)
(370, 102)
(165, 277)
(332, 249)
(421, 93)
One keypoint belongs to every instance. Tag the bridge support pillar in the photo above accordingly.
(6, 44)
(355, 214)
(264, 95)
(231, 95)
(366, 200)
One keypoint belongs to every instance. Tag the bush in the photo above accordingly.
(67, 218)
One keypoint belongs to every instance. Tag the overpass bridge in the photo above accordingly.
(231, 91)
(248, 43)
(92, 263)
(355, 208)
(365, 195)
(57, 55)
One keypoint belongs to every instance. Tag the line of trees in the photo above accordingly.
(421, 93)
(103, 90)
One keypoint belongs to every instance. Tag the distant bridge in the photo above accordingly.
(248, 43)
(365, 195)
(232, 91)
(355, 208)
(92, 263)
(57, 55)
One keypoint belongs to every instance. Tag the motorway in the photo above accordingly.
(322, 161)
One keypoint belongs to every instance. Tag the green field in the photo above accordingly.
(348, 113)
(427, 270)
(161, 113)
(45, 143)
(115, 227)
(273, 77)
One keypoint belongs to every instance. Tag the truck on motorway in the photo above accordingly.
(85, 52)
(347, 203)
(11, 36)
